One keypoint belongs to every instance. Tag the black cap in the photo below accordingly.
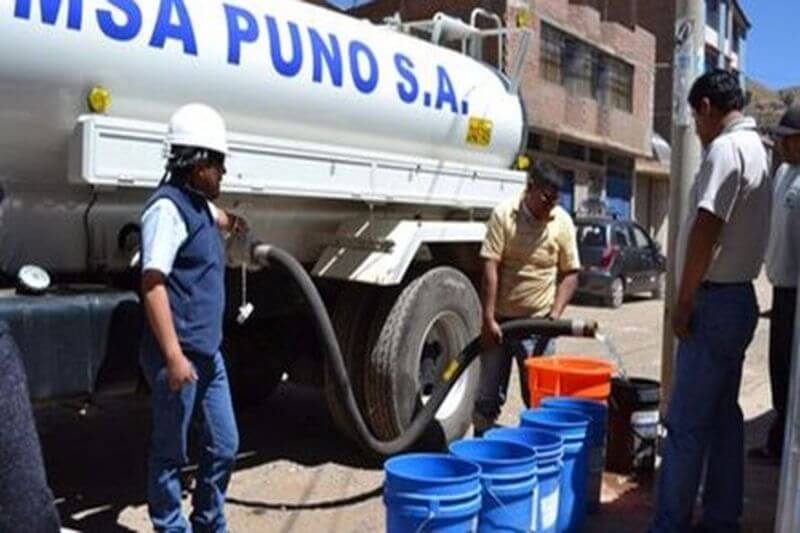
(789, 124)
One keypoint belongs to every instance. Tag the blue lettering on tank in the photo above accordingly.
(446, 94)
(121, 32)
(331, 56)
(50, 10)
(291, 67)
(408, 89)
(364, 83)
(242, 28)
(181, 31)
(122, 20)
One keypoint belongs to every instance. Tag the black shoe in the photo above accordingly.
(765, 455)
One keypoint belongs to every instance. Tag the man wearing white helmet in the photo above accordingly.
(183, 293)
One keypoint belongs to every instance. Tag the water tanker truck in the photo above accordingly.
(372, 154)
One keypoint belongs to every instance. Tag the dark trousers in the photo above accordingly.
(496, 372)
(704, 422)
(781, 333)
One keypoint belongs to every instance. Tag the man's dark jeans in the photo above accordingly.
(704, 422)
(496, 372)
(781, 332)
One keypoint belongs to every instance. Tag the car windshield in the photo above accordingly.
(591, 235)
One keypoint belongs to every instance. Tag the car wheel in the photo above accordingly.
(658, 291)
(616, 293)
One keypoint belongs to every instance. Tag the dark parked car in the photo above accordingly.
(619, 258)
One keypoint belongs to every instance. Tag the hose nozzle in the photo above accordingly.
(547, 327)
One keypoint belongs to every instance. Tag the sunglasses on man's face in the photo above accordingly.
(217, 159)
(547, 197)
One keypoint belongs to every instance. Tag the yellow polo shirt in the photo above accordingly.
(531, 254)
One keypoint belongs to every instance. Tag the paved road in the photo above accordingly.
(296, 474)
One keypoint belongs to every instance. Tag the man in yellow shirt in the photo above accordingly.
(530, 269)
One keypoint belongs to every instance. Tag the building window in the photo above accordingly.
(737, 39)
(712, 59)
(712, 13)
(585, 70)
(600, 78)
(550, 56)
(597, 157)
(571, 150)
(577, 61)
(534, 141)
(620, 84)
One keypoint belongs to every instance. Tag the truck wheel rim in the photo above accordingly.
(442, 340)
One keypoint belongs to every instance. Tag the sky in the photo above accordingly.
(771, 55)
(347, 4)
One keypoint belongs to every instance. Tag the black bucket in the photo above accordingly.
(633, 423)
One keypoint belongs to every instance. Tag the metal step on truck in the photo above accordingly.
(372, 153)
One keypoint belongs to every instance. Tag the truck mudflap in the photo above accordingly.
(73, 343)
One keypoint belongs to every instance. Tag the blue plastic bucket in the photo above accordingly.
(508, 475)
(549, 448)
(573, 427)
(432, 493)
(598, 412)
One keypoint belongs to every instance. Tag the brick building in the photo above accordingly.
(588, 87)
(726, 28)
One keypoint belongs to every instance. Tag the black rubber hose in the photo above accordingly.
(270, 256)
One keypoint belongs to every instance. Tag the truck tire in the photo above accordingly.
(435, 315)
(352, 316)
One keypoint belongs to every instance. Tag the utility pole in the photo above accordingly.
(688, 65)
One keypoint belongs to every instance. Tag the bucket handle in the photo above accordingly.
(433, 510)
(431, 515)
(487, 486)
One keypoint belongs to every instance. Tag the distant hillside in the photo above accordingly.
(767, 105)
(790, 94)
(760, 92)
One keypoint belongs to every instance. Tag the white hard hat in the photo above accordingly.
(198, 126)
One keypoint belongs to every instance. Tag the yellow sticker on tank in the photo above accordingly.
(479, 132)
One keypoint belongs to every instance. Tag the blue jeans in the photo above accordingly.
(704, 423)
(209, 400)
(496, 373)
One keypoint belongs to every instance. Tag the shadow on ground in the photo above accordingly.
(96, 463)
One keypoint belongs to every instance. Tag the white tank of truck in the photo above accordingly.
(365, 151)
(274, 68)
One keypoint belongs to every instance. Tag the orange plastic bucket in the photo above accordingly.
(563, 375)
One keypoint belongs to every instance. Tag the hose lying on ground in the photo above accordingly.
(267, 255)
